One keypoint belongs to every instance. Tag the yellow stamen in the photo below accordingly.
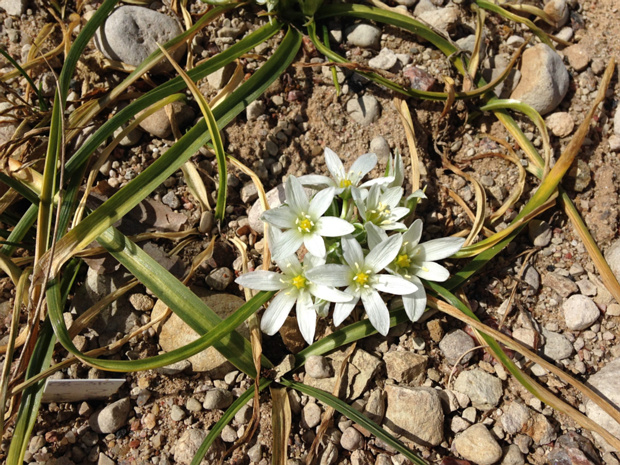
(299, 281)
(305, 225)
(361, 278)
(403, 261)
(345, 183)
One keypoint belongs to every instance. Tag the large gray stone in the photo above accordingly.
(544, 79)
(415, 414)
(131, 34)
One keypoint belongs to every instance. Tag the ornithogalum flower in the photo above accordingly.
(364, 280)
(415, 261)
(380, 207)
(342, 180)
(304, 222)
(294, 287)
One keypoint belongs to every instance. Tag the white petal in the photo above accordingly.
(352, 251)
(361, 167)
(312, 261)
(394, 226)
(359, 196)
(377, 311)
(281, 217)
(373, 196)
(432, 271)
(330, 275)
(399, 212)
(374, 234)
(316, 180)
(413, 234)
(289, 243)
(330, 226)
(306, 317)
(296, 196)
(384, 253)
(342, 310)
(290, 266)
(438, 249)
(334, 165)
(321, 202)
(392, 196)
(394, 285)
(275, 315)
(415, 303)
(315, 244)
(329, 294)
(262, 280)
(380, 181)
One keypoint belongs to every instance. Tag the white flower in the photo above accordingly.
(294, 287)
(381, 207)
(361, 274)
(415, 261)
(304, 222)
(343, 180)
(396, 170)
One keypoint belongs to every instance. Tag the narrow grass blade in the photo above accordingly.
(216, 138)
(42, 103)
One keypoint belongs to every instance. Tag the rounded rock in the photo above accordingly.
(557, 346)
(217, 399)
(561, 124)
(580, 312)
(478, 445)
(484, 390)
(311, 415)
(364, 35)
(380, 147)
(111, 418)
(131, 34)
(351, 439)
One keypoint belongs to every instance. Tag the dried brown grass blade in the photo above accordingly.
(451, 91)
(405, 117)
(481, 200)
(281, 424)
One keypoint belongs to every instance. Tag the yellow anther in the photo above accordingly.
(299, 281)
(361, 278)
(345, 183)
(305, 225)
(403, 261)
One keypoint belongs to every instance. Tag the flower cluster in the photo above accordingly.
(345, 228)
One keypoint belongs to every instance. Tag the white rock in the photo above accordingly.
(617, 122)
(478, 445)
(351, 439)
(580, 312)
(385, 60)
(443, 19)
(186, 447)
(363, 35)
(515, 416)
(318, 367)
(614, 143)
(311, 415)
(544, 79)
(512, 456)
(131, 33)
